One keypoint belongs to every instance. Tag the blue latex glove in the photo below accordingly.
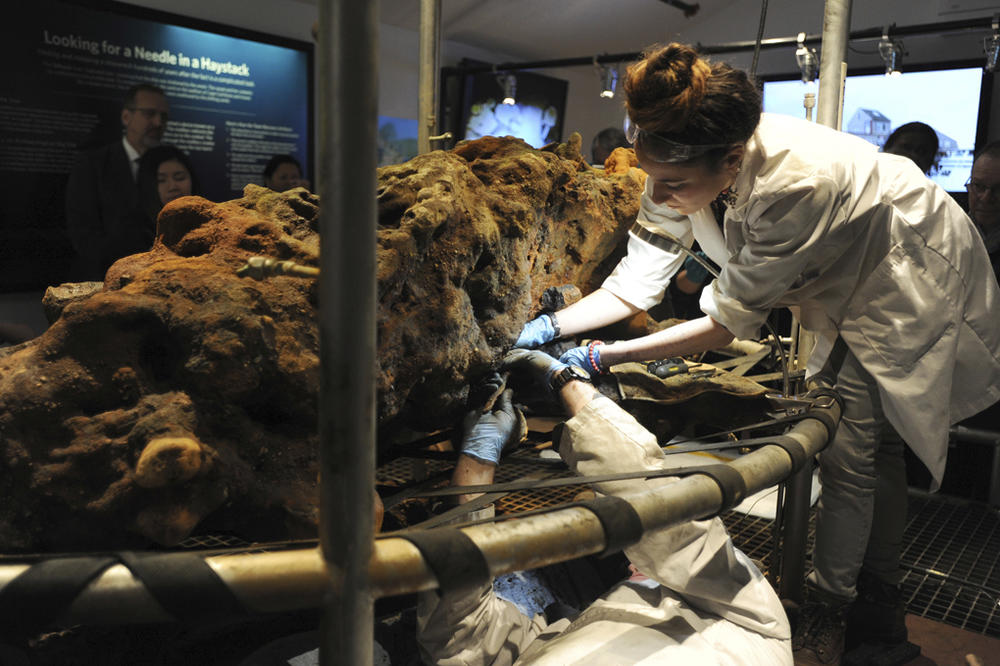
(695, 271)
(580, 356)
(540, 364)
(485, 434)
(535, 333)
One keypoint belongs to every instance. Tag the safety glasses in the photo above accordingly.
(662, 149)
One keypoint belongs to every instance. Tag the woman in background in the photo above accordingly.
(165, 173)
(283, 172)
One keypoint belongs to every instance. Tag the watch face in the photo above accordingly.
(579, 373)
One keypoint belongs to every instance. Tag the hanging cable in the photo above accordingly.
(760, 38)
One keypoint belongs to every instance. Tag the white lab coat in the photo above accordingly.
(706, 603)
(857, 243)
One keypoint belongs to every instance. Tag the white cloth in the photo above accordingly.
(133, 158)
(706, 603)
(856, 243)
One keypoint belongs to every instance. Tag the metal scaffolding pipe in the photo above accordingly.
(832, 61)
(430, 55)
(833, 66)
(296, 579)
(348, 105)
(540, 540)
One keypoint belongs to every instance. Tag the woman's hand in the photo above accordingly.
(587, 357)
(536, 333)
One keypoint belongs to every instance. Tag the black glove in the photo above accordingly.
(538, 363)
(485, 434)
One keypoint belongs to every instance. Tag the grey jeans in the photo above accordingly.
(862, 506)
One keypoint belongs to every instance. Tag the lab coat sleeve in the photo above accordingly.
(642, 275)
(473, 629)
(476, 627)
(696, 559)
(783, 237)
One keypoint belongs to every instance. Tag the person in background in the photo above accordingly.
(693, 599)
(984, 200)
(870, 255)
(604, 142)
(283, 172)
(101, 195)
(918, 141)
(165, 174)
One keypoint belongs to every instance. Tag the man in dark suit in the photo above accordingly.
(101, 194)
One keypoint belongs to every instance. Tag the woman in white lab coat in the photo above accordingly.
(870, 255)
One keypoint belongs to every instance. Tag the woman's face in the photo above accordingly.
(687, 188)
(285, 177)
(172, 180)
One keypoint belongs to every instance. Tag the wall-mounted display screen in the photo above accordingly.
(948, 99)
(535, 116)
(236, 98)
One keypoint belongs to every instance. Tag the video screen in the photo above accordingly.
(236, 99)
(536, 116)
(949, 100)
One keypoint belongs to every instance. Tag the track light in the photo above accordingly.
(991, 45)
(806, 58)
(508, 83)
(610, 81)
(891, 51)
(608, 77)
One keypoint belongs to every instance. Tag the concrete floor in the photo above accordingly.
(945, 645)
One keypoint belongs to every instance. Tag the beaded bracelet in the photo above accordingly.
(593, 356)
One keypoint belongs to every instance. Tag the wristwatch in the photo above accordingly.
(568, 374)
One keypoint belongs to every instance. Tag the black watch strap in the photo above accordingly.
(568, 374)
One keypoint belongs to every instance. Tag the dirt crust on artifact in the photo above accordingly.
(181, 398)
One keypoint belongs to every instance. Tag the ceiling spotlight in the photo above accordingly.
(508, 83)
(991, 45)
(608, 77)
(806, 58)
(609, 80)
(891, 51)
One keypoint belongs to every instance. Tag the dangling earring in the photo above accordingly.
(729, 195)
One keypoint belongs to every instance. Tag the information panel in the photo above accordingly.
(235, 99)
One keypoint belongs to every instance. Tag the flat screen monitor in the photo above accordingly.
(948, 98)
(236, 98)
(535, 116)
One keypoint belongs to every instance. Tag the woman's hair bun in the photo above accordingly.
(670, 82)
(675, 92)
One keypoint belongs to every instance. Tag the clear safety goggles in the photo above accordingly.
(662, 149)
